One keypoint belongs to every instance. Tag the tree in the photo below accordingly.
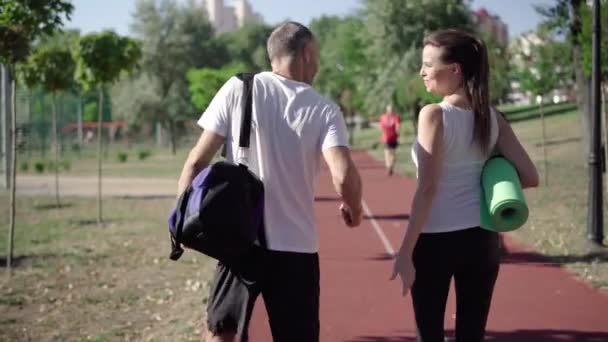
(52, 67)
(392, 33)
(343, 60)
(205, 83)
(21, 22)
(586, 39)
(545, 70)
(500, 80)
(175, 38)
(247, 46)
(564, 19)
(101, 59)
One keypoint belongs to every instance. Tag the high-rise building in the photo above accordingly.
(492, 25)
(226, 18)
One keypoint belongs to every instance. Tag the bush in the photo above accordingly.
(75, 147)
(122, 157)
(66, 165)
(24, 166)
(39, 166)
(50, 166)
(143, 154)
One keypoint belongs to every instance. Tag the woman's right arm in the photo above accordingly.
(510, 147)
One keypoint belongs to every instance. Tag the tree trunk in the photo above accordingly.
(13, 170)
(80, 133)
(582, 82)
(544, 142)
(99, 156)
(28, 104)
(172, 138)
(43, 138)
(56, 150)
(5, 111)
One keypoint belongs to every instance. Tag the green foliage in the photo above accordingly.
(247, 46)
(51, 165)
(558, 19)
(392, 34)
(586, 39)
(342, 60)
(411, 95)
(175, 38)
(143, 154)
(392, 27)
(500, 70)
(39, 166)
(205, 83)
(122, 157)
(51, 66)
(65, 164)
(21, 22)
(90, 110)
(89, 113)
(103, 57)
(545, 68)
(24, 166)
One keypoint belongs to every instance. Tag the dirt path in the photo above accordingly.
(87, 186)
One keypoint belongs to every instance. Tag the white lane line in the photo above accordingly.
(378, 229)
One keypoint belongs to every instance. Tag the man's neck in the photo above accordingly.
(289, 71)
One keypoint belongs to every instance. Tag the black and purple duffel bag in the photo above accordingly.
(221, 213)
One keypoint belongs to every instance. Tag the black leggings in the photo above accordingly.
(472, 257)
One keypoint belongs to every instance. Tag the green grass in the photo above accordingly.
(76, 281)
(160, 164)
(535, 112)
(558, 211)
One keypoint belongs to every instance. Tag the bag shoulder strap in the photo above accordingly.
(247, 99)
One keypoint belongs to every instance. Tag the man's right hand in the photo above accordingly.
(351, 217)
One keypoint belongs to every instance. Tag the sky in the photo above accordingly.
(97, 15)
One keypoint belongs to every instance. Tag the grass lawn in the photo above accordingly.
(76, 281)
(159, 164)
(558, 211)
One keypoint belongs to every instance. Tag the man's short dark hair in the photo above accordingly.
(288, 39)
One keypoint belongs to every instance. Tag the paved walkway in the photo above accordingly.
(534, 301)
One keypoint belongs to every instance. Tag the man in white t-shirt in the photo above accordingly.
(292, 126)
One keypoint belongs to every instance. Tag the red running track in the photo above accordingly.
(534, 301)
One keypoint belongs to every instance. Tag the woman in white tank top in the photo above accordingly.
(443, 239)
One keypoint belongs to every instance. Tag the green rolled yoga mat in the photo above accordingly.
(503, 206)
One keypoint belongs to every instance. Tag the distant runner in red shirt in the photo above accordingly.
(389, 123)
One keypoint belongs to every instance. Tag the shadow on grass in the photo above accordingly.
(27, 260)
(382, 257)
(560, 109)
(541, 335)
(52, 206)
(144, 197)
(327, 199)
(535, 258)
(92, 222)
(397, 217)
(559, 141)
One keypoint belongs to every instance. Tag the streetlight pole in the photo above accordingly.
(595, 227)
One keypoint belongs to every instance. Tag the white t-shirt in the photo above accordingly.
(291, 125)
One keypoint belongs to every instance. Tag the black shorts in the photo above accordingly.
(391, 145)
(289, 284)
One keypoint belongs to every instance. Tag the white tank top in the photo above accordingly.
(456, 202)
